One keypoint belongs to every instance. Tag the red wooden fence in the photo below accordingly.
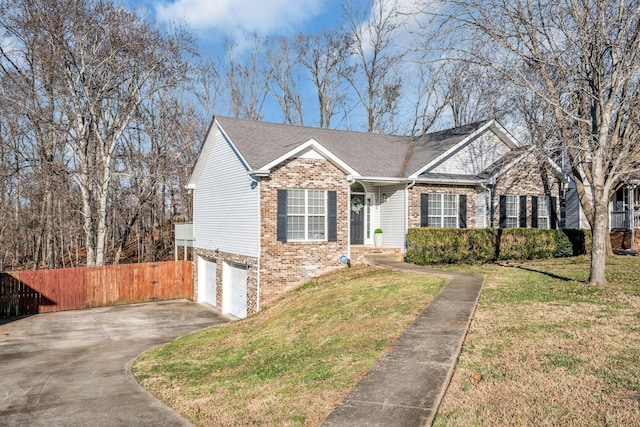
(30, 292)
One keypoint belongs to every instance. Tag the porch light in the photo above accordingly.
(384, 197)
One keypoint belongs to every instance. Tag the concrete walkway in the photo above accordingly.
(406, 385)
(71, 368)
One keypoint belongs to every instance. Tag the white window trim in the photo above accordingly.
(441, 216)
(306, 215)
(516, 217)
(544, 201)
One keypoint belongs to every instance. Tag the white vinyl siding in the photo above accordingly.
(393, 215)
(543, 212)
(475, 156)
(443, 210)
(306, 214)
(225, 206)
(512, 211)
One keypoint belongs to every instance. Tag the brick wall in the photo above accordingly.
(284, 265)
(525, 179)
(418, 189)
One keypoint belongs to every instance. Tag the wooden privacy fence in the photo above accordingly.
(41, 291)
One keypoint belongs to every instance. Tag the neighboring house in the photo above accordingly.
(624, 216)
(275, 205)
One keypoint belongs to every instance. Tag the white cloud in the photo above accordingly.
(233, 16)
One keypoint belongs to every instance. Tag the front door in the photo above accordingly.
(357, 219)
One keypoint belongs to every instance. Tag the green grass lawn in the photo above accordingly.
(544, 348)
(295, 360)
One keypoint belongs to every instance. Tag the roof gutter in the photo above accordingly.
(448, 181)
(259, 173)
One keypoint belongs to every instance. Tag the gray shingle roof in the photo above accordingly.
(371, 155)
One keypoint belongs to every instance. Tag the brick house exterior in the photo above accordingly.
(276, 205)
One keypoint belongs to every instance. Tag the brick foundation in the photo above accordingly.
(621, 240)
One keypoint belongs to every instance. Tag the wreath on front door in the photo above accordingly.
(356, 205)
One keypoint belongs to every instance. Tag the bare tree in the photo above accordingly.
(285, 81)
(208, 86)
(374, 27)
(324, 56)
(430, 96)
(96, 63)
(582, 59)
(474, 92)
(248, 76)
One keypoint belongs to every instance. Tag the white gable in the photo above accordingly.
(225, 199)
(473, 157)
(312, 149)
(309, 153)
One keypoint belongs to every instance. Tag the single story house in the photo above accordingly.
(275, 205)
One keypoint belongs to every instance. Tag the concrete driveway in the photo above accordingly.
(72, 368)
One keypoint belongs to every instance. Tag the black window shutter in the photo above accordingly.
(523, 212)
(281, 228)
(552, 215)
(424, 210)
(332, 217)
(503, 211)
(534, 212)
(462, 211)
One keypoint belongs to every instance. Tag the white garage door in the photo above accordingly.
(234, 290)
(206, 281)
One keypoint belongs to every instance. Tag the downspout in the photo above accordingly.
(259, 246)
(489, 205)
(350, 181)
(406, 214)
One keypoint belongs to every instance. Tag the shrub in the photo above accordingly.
(580, 240)
(564, 247)
(448, 246)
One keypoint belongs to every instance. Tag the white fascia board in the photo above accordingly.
(504, 135)
(468, 181)
(233, 147)
(313, 144)
(557, 169)
(381, 179)
(443, 180)
(452, 150)
(204, 153)
(504, 169)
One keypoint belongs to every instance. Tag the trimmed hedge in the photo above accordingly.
(469, 246)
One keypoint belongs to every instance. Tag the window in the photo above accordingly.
(306, 214)
(511, 213)
(443, 210)
(543, 212)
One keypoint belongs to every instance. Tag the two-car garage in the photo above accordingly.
(234, 286)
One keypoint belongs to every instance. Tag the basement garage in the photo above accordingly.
(207, 281)
(234, 290)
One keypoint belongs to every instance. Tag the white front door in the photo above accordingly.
(234, 290)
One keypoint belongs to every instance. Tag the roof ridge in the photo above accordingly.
(315, 128)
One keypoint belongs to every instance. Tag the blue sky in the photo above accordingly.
(211, 19)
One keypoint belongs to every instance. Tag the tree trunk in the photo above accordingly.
(600, 234)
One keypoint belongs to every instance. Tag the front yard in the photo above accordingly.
(546, 349)
(543, 349)
(294, 361)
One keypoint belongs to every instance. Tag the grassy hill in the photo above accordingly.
(294, 361)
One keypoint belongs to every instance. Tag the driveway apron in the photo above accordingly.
(73, 368)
